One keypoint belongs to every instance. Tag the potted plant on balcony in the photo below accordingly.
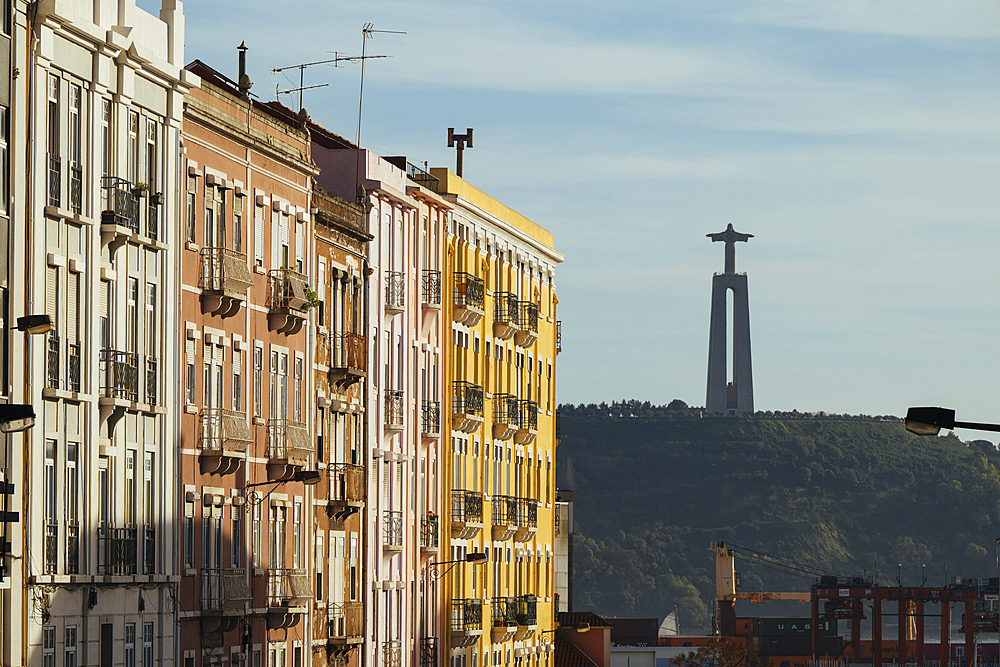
(139, 190)
(156, 199)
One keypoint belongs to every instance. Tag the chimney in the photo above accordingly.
(244, 81)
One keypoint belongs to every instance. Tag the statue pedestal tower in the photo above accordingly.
(736, 397)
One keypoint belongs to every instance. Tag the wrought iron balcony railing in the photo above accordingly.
(395, 289)
(558, 335)
(76, 188)
(466, 614)
(51, 547)
(467, 398)
(506, 409)
(392, 653)
(72, 547)
(152, 382)
(470, 291)
(348, 350)
(74, 367)
(504, 612)
(529, 414)
(431, 287)
(347, 482)
(116, 551)
(466, 506)
(528, 316)
(394, 408)
(55, 180)
(288, 588)
(225, 271)
(430, 417)
(392, 528)
(224, 431)
(287, 441)
(526, 610)
(429, 531)
(527, 516)
(345, 620)
(119, 374)
(289, 290)
(428, 652)
(418, 175)
(52, 363)
(507, 309)
(122, 202)
(153, 204)
(149, 551)
(506, 510)
(224, 589)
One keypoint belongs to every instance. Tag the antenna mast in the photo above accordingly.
(367, 32)
(302, 67)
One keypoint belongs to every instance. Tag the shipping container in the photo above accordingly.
(793, 627)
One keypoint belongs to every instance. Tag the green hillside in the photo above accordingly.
(654, 486)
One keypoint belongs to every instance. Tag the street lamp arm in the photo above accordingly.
(977, 426)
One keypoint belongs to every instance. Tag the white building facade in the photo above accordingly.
(94, 573)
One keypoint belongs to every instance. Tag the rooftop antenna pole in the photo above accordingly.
(302, 68)
(367, 32)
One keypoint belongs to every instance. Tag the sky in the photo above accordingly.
(857, 141)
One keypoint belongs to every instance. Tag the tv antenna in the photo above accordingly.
(337, 58)
(367, 32)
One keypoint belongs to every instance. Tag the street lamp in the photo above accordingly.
(15, 418)
(929, 421)
(35, 324)
(307, 477)
(475, 557)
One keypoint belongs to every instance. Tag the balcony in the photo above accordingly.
(149, 551)
(55, 180)
(225, 437)
(120, 220)
(558, 336)
(348, 359)
(527, 427)
(288, 446)
(430, 419)
(506, 416)
(288, 593)
(76, 188)
(225, 279)
(116, 551)
(429, 533)
(468, 299)
(505, 517)
(392, 653)
(53, 373)
(73, 547)
(394, 410)
(466, 622)
(74, 367)
(466, 514)
(527, 621)
(527, 519)
(466, 406)
(506, 315)
(430, 288)
(289, 300)
(51, 551)
(428, 652)
(527, 323)
(224, 596)
(347, 490)
(119, 375)
(395, 291)
(345, 625)
(504, 625)
(392, 530)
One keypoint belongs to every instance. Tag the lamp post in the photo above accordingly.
(435, 573)
(307, 477)
(930, 421)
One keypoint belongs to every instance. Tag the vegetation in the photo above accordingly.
(721, 653)
(654, 486)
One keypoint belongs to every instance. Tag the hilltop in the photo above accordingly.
(653, 486)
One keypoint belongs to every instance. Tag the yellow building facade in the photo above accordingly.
(500, 363)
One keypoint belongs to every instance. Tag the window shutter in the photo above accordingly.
(284, 229)
(237, 362)
(300, 240)
(72, 308)
(338, 570)
(51, 292)
(385, 486)
(258, 234)
(189, 351)
(340, 419)
(275, 239)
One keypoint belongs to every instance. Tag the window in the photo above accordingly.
(72, 509)
(147, 645)
(132, 316)
(237, 379)
(48, 647)
(192, 211)
(106, 154)
(238, 224)
(70, 646)
(4, 159)
(130, 488)
(133, 147)
(51, 525)
(149, 512)
(258, 373)
(297, 535)
(255, 528)
(54, 159)
(130, 645)
(237, 535)
(258, 235)
(188, 534)
(189, 372)
(75, 145)
(278, 526)
(298, 389)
